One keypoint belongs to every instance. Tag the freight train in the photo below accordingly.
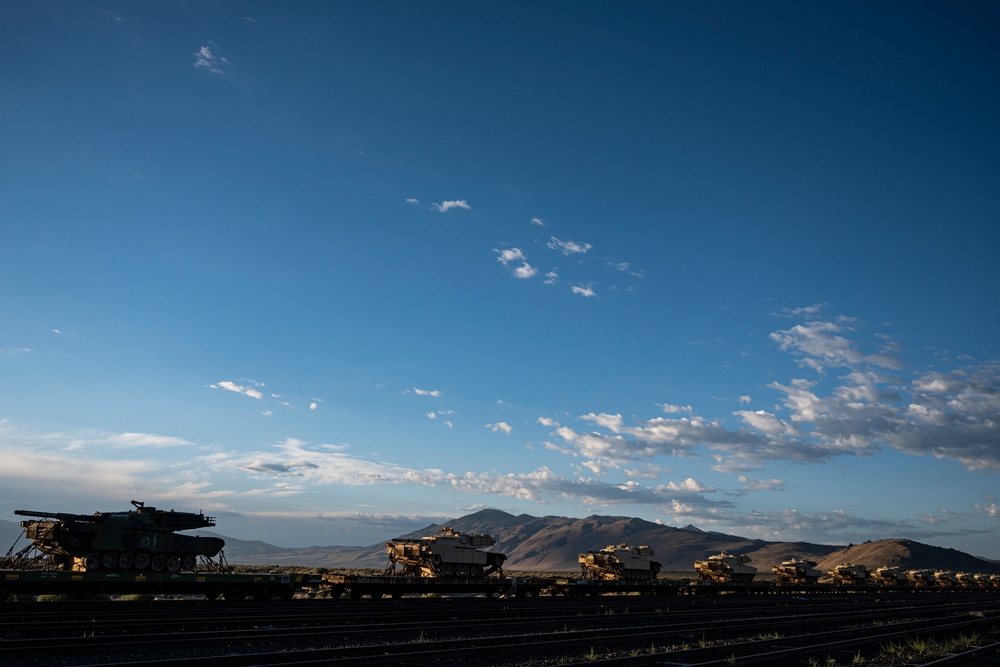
(114, 553)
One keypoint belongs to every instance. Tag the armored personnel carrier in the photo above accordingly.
(620, 562)
(850, 574)
(141, 539)
(796, 571)
(726, 567)
(447, 554)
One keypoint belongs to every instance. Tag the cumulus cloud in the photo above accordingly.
(866, 405)
(569, 247)
(500, 427)
(508, 255)
(525, 271)
(446, 206)
(584, 291)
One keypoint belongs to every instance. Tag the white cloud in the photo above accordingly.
(412, 200)
(569, 247)
(205, 58)
(584, 291)
(538, 222)
(239, 389)
(525, 271)
(674, 409)
(551, 278)
(426, 392)
(500, 427)
(445, 206)
(508, 255)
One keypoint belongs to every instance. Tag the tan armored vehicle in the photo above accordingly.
(850, 574)
(987, 580)
(620, 562)
(725, 567)
(889, 576)
(944, 578)
(447, 554)
(966, 580)
(796, 571)
(920, 578)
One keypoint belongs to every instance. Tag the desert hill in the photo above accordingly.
(908, 555)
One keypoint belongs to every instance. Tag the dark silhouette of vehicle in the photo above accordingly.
(138, 540)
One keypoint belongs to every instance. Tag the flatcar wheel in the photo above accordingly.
(190, 562)
(109, 560)
(465, 570)
(173, 564)
(158, 563)
(233, 595)
(125, 561)
(141, 561)
(91, 562)
(449, 570)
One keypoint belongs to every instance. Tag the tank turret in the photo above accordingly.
(447, 554)
(850, 574)
(796, 571)
(726, 567)
(144, 538)
(619, 562)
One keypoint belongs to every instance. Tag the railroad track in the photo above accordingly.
(470, 632)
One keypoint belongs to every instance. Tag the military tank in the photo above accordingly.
(850, 574)
(135, 540)
(447, 554)
(920, 578)
(726, 568)
(796, 570)
(945, 578)
(620, 562)
(889, 575)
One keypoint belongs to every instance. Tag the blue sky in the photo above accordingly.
(333, 271)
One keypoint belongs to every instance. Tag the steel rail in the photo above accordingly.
(506, 643)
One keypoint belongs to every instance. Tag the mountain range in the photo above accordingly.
(552, 543)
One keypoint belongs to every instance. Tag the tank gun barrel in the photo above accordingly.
(58, 516)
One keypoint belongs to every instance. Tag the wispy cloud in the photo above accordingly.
(252, 392)
(446, 206)
(569, 247)
(584, 290)
(426, 392)
(206, 58)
